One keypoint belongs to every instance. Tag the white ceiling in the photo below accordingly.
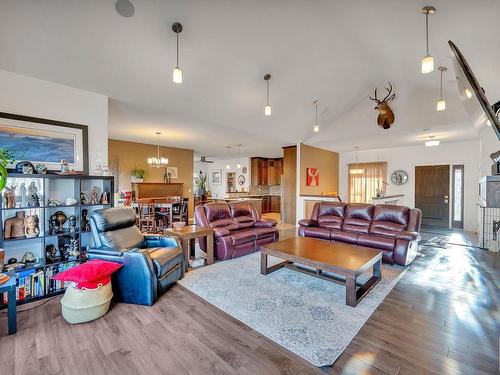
(334, 51)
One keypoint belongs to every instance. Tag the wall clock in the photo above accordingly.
(399, 177)
(241, 180)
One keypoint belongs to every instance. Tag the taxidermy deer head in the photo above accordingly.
(385, 115)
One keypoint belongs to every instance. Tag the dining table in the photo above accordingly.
(163, 203)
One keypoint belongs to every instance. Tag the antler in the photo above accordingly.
(375, 99)
(389, 91)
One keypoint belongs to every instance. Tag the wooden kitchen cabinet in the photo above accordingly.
(275, 203)
(266, 171)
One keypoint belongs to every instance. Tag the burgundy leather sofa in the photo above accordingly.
(239, 230)
(391, 229)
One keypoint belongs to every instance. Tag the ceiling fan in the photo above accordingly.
(203, 159)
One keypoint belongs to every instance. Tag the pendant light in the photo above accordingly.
(316, 125)
(228, 167)
(157, 161)
(432, 142)
(428, 60)
(239, 155)
(441, 103)
(267, 108)
(177, 73)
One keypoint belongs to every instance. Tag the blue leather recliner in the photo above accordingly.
(151, 264)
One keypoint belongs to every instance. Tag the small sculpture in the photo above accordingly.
(64, 166)
(24, 195)
(14, 226)
(72, 249)
(31, 228)
(52, 225)
(70, 201)
(10, 196)
(83, 198)
(95, 197)
(85, 222)
(61, 244)
(50, 253)
(28, 257)
(25, 167)
(72, 224)
(53, 203)
(41, 168)
(104, 198)
(33, 200)
(60, 220)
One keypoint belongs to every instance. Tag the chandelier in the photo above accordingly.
(157, 161)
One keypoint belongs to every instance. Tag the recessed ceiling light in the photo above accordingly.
(125, 8)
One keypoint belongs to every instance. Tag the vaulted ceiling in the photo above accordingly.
(334, 51)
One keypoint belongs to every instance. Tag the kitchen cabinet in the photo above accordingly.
(266, 204)
(266, 171)
(275, 203)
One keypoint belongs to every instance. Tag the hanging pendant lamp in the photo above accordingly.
(428, 60)
(267, 108)
(316, 125)
(441, 103)
(177, 72)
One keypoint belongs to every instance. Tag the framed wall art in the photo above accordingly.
(43, 141)
(217, 177)
(312, 177)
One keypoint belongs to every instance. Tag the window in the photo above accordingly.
(365, 180)
(458, 197)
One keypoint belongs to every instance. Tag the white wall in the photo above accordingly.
(218, 191)
(33, 97)
(489, 144)
(406, 158)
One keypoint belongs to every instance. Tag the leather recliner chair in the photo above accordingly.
(151, 264)
(389, 228)
(238, 228)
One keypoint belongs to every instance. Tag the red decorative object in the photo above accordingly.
(312, 177)
(90, 274)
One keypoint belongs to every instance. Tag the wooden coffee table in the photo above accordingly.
(187, 236)
(338, 258)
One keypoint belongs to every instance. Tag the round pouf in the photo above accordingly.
(84, 305)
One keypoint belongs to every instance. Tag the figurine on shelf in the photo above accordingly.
(50, 253)
(10, 196)
(14, 226)
(31, 228)
(85, 222)
(33, 200)
(70, 201)
(72, 249)
(53, 202)
(41, 168)
(72, 224)
(60, 220)
(61, 244)
(64, 166)
(24, 195)
(95, 196)
(83, 198)
(52, 225)
(104, 198)
(28, 258)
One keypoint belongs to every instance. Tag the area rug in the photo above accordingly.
(304, 314)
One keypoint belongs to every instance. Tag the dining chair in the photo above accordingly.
(147, 216)
(163, 213)
(180, 211)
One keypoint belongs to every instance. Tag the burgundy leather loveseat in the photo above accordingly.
(239, 230)
(391, 229)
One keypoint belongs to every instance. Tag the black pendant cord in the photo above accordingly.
(177, 33)
(427, 32)
(267, 92)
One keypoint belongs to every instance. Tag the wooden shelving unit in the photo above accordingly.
(33, 279)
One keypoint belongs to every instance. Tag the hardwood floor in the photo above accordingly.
(441, 318)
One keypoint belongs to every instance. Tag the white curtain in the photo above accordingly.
(365, 179)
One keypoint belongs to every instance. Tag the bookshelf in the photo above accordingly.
(61, 228)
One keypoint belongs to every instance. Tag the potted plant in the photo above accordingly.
(137, 174)
(201, 184)
(6, 157)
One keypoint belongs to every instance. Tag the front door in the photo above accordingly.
(432, 191)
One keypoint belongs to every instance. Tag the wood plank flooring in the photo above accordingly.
(441, 318)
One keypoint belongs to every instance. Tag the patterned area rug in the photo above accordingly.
(305, 314)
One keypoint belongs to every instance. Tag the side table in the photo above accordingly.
(10, 287)
(187, 236)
